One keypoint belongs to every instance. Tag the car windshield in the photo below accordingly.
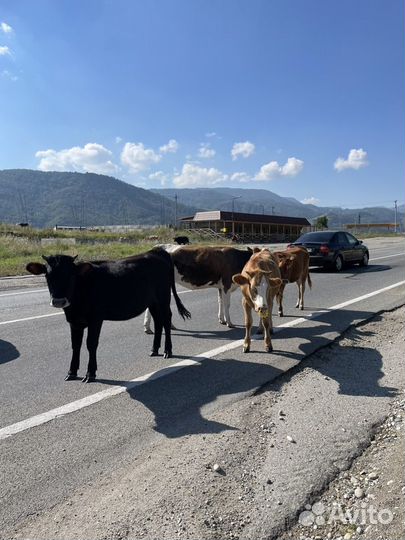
(316, 237)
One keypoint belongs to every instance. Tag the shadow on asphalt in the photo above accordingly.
(8, 352)
(177, 399)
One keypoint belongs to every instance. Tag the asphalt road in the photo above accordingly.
(88, 431)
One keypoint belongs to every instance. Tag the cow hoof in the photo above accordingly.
(172, 327)
(89, 378)
(154, 353)
(230, 325)
(167, 354)
(297, 306)
(222, 322)
(148, 331)
(269, 348)
(246, 348)
(71, 377)
(302, 308)
(280, 314)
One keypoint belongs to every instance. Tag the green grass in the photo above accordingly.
(20, 246)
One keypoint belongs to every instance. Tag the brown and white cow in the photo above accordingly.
(294, 268)
(207, 266)
(260, 281)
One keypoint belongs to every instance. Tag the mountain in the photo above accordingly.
(45, 199)
(265, 201)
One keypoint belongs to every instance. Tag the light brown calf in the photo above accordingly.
(260, 281)
(294, 268)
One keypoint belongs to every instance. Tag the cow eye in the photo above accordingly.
(254, 291)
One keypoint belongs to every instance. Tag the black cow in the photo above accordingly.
(181, 240)
(90, 293)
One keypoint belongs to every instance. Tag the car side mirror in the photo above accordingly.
(359, 241)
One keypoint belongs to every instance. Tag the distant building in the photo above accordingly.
(246, 227)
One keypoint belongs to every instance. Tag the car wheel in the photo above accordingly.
(338, 264)
(364, 260)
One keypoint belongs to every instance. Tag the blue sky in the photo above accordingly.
(302, 97)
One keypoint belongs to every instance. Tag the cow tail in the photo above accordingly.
(183, 311)
(309, 280)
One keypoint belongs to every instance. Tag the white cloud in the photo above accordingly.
(311, 200)
(171, 147)
(273, 169)
(92, 157)
(195, 176)
(355, 160)
(205, 151)
(159, 176)
(118, 140)
(4, 50)
(138, 158)
(240, 177)
(8, 75)
(242, 149)
(6, 28)
(210, 134)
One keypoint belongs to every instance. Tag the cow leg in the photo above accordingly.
(167, 324)
(227, 304)
(301, 290)
(267, 337)
(158, 324)
(76, 336)
(260, 328)
(93, 335)
(146, 322)
(248, 326)
(221, 316)
(280, 300)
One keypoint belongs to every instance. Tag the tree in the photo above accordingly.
(322, 222)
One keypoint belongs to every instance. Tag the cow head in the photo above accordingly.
(257, 287)
(61, 274)
(285, 264)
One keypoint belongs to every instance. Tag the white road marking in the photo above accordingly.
(43, 418)
(23, 292)
(387, 256)
(33, 317)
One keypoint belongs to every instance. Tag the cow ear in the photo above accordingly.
(250, 250)
(240, 280)
(36, 268)
(256, 250)
(275, 283)
(84, 269)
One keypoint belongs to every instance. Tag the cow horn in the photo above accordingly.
(45, 258)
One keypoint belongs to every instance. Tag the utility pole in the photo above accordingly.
(175, 211)
(233, 212)
(396, 215)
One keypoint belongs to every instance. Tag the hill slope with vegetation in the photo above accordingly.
(45, 199)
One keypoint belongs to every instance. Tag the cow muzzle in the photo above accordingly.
(60, 302)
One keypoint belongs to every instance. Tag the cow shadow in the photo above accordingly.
(181, 400)
(8, 352)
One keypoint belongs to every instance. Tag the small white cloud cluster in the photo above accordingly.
(311, 200)
(273, 169)
(193, 175)
(138, 158)
(6, 28)
(170, 148)
(92, 157)
(242, 149)
(355, 160)
(4, 50)
(205, 151)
